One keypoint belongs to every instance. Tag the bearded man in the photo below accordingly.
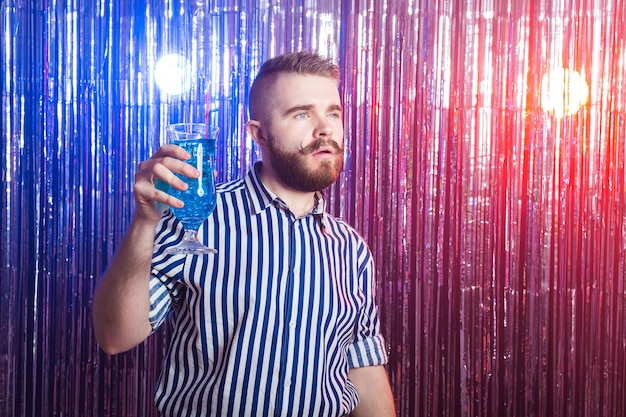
(283, 320)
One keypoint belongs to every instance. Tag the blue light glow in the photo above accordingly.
(172, 74)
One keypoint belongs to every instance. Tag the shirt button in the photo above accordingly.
(292, 324)
(287, 382)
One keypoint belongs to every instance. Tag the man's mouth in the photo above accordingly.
(325, 151)
(323, 148)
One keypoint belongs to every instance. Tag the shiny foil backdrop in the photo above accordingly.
(496, 221)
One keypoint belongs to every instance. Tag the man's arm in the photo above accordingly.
(122, 300)
(375, 397)
(121, 304)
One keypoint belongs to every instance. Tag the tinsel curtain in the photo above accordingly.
(497, 221)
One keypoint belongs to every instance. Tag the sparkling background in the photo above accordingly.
(498, 229)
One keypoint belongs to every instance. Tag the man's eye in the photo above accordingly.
(302, 115)
(336, 115)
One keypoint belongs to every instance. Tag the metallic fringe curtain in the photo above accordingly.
(497, 222)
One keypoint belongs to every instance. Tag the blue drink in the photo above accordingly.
(199, 141)
(199, 198)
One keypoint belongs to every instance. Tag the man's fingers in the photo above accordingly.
(176, 166)
(155, 176)
(148, 193)
(161, 172)
(167, 199)
(173, 151)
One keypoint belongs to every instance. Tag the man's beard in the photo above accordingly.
(292, 169)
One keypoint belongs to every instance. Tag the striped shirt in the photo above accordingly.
(271, 324)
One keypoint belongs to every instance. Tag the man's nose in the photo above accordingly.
(323, 129)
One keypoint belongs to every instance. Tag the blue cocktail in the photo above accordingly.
(199, 141)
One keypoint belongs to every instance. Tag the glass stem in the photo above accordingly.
(190, 235)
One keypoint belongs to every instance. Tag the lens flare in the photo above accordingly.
(172, 74)
(563, 92)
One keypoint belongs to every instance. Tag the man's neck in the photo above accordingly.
(299, 202)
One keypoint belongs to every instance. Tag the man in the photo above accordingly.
(283, 320)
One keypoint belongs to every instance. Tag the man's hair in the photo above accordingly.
(306, 63)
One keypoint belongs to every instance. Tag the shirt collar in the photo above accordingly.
(260, 197)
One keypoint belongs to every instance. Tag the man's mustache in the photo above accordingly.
(315, 146)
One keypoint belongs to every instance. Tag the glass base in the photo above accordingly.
(189, 246)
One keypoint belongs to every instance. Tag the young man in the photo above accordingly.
(283, 320)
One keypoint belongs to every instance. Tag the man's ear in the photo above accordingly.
(256, 130)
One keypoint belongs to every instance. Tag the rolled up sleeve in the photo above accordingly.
(368, 348)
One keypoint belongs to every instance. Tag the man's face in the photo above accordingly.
(305, 132)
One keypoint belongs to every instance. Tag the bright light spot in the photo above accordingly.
(172, 73)
(563, 92)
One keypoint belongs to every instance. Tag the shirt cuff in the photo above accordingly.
(367, 352)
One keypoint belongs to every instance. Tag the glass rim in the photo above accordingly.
(193, 130)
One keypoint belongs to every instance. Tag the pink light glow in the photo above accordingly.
(563, 92)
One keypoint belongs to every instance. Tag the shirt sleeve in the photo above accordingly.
(165, 287)
(368, 348)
